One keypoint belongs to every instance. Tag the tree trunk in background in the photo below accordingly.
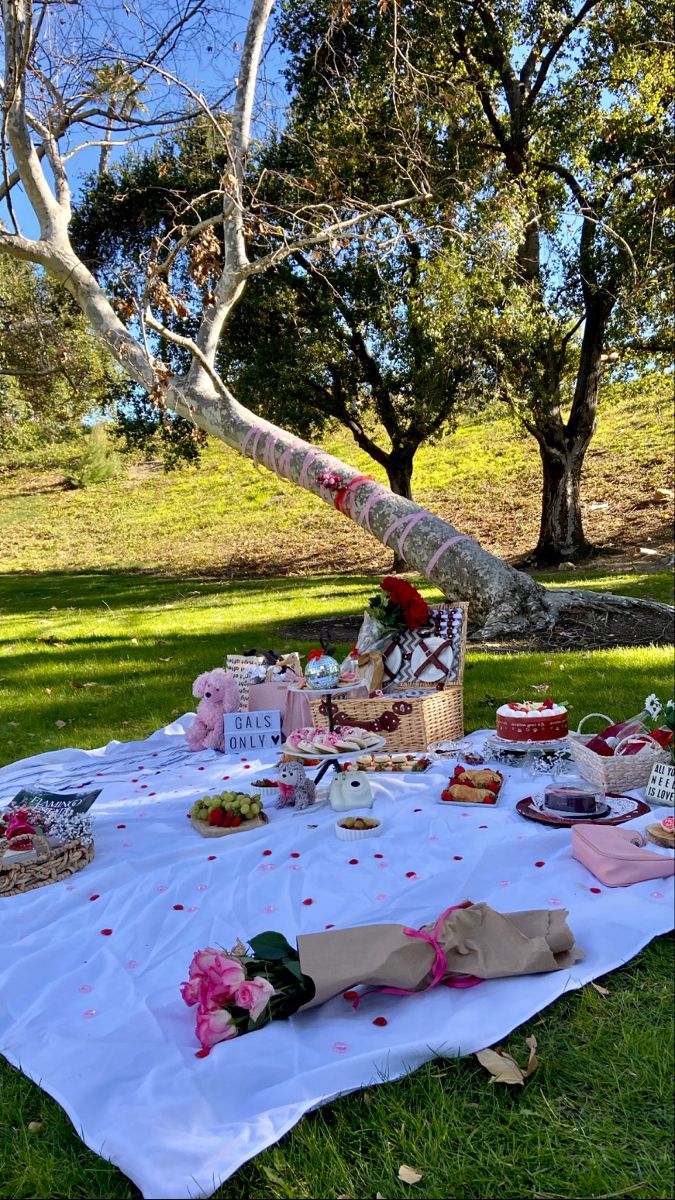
(563, 448)
(399, 473)
(561, 534)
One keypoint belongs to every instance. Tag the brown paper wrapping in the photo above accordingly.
(371, 669)
(476, 941)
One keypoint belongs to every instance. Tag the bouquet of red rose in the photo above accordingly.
(397, 606)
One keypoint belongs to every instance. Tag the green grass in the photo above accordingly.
(228, 520)
(595, 1120)
(114, 655)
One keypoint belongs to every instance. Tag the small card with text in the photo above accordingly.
(252, 731)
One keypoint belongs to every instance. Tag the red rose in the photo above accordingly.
(396, 588)
(416, 612)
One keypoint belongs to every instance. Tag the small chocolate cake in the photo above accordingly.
(574, 801)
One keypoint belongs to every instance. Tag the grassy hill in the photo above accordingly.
(226, 519)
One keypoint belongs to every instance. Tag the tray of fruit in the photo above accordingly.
(389, 762)
(472, 787)
(228, 812)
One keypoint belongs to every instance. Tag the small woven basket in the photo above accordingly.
(406, 722)
(50, 866)
(622, 771)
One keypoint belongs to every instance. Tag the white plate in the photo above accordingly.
(431, 673)
(293, 750)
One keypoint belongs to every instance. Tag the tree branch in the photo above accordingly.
(553, 50)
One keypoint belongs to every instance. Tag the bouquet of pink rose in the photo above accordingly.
(238, 992)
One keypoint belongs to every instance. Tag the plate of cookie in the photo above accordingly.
(326, 743)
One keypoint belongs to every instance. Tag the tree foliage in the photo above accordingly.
(53, 372)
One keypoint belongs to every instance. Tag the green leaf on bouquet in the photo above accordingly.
(272, 945)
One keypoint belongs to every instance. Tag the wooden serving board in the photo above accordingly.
(207, 830)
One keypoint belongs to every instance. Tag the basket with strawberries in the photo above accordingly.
(473, 787)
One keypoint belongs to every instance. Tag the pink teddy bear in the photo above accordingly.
(219, 694)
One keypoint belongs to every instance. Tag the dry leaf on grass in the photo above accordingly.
(74, 683)
(504, 1069)
(60, 724)
(533, 1061)
(540, 687)
(598, 987)
(409, 1174)
(169, 659)
(34, 1126)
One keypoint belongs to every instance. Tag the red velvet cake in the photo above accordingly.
(532, 721)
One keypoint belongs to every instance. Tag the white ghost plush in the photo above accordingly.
(350, 789)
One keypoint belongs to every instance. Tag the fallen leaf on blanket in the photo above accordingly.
(502, 1067)
(533, 1061)
(60, 724)
(34, 1126)
(409, 1174)
(312, 826)
(598, 987)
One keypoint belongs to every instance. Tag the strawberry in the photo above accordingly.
(236, 821)
(215, 817)
(493, 786)
(227, 820)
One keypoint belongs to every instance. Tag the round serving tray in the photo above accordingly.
(622, 808)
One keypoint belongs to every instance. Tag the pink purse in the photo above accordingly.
(615, 856)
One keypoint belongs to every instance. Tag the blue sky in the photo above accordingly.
(206, 59)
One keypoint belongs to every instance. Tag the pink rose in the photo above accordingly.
(220, 972)
(213, 1027)
(190, 991)
(254, 995)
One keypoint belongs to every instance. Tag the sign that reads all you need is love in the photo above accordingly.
(661, 786)
(252, 731)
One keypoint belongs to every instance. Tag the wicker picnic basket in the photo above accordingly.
(51, 865)
(407, 722)
(622, 771)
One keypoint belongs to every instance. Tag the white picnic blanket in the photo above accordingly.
(97, 1019)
